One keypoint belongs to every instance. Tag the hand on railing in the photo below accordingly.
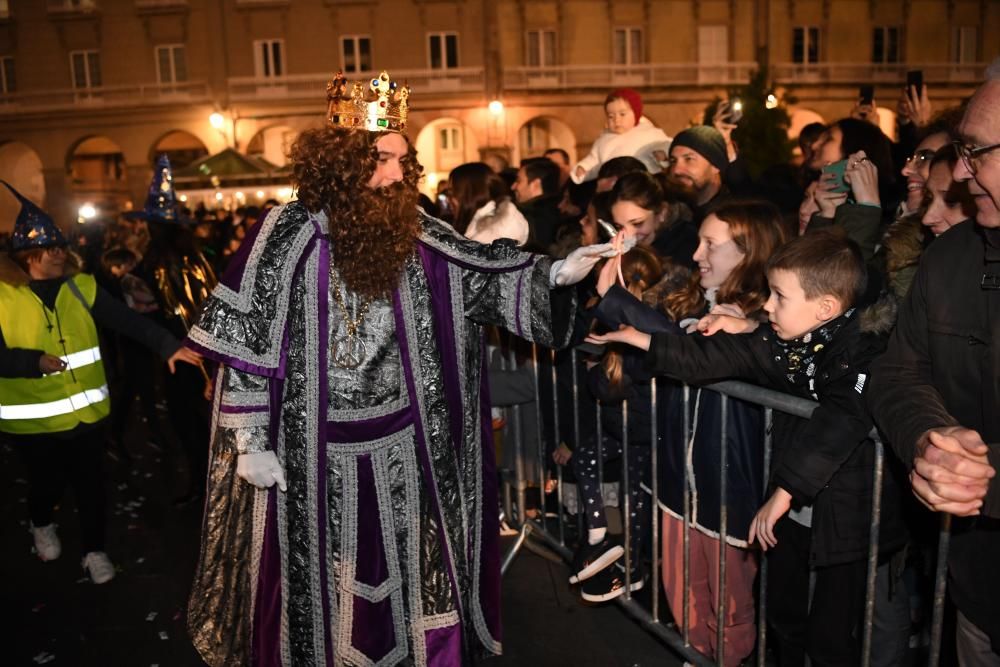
(762, 525)
(562, 455)
(951, 471)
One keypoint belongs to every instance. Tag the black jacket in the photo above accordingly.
(826, 461)
(942, 368)
(543, 218)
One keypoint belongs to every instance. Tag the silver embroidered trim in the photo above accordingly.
(439, 621)
(401, 403)
(368, 446)
(243, 420)
(452, 244)
(250, 440)
(286, 651)
(241, 399)
(259, 518)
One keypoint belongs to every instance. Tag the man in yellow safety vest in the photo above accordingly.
(53, 391)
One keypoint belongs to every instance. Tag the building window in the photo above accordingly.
(4, 9)
(357, 53)
(541, 48)
(443, 50)
(8, 83)
(628, 46)
(805, 44)
(171, 63)
(964, 44)
(269, 57)
(450, 139)
(86, 69)
(713, 44)
(885, 45)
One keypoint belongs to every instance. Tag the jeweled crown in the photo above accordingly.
(376, 105)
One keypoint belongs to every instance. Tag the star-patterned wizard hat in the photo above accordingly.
(33, 227)
(161, 202)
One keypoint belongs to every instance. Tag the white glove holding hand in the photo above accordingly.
(578, 264)
(261, 469)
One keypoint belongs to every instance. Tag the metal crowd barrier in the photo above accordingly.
(676, 635)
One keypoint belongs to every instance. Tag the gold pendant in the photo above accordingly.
(348, 352)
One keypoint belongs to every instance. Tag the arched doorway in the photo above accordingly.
(542, 133)
(441, 146)
(273, 144)
(98, 175)
(181, 147)
(22, 168)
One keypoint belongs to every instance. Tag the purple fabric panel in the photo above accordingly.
(233, 275)
(475, 267)
(373, 632)
(265, 646)
(436, 269)
(242, 409)
(369, 429)
(322, 288)
(371, 565)
(444, 646)
(423, 451)
(489, 555)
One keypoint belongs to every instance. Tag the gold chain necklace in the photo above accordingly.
(348, 351)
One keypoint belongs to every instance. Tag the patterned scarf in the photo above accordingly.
(798, 356)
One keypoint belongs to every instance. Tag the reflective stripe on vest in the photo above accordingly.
(81, 358)
(63, 406)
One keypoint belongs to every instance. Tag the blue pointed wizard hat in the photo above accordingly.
(33, 227)
(161, 202)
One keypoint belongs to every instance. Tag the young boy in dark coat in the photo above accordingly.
(822, 470)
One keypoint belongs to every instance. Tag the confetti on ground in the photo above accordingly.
(43, 658)
(83, 580)
(150, 616)
(163, 635)
(20, 480)
(140, 561)
(122, 486)
(38, 607)
(148, 475)
(177, 615)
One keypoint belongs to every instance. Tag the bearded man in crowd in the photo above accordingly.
(349, 329)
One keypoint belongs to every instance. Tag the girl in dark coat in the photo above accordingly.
(734, 245)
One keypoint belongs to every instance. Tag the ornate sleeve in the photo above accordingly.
(244, 412)
(498, 284)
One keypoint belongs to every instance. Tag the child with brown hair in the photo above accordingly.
(822, 467)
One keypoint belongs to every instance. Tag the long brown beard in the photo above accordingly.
(373, 240)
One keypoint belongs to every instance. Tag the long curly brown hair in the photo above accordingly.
(757, 230)
(372, 231)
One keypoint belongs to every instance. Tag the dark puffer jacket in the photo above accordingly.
(826, 461)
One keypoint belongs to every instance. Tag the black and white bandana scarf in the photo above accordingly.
(798, 356)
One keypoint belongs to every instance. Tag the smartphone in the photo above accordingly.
(915, 80)
(837, 169)
(866, 94)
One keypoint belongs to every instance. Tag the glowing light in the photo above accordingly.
(432, 180)
(771, 102)
(737, 105)
(183, 197)
(218, 196)
(217, 120)
(87, 212)
(285, 194)
(496, 107)
(260, 194)
(240, 196)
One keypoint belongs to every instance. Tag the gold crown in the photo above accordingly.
(380, 108)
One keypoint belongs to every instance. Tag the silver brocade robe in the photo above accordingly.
(384, 549)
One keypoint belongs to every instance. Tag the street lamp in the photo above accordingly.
(86, 212)
(495, 107)
(217, 120)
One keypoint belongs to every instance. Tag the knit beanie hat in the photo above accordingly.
(630, 96)
(707, 142)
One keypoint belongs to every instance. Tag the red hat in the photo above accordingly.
(630, 96)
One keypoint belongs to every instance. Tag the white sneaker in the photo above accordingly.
(47, 543)
(99, 566)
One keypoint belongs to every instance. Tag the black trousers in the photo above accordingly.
(830, 630)
(135, 379)
(53, 463)
(188, 411)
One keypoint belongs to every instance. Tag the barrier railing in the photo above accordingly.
(677, 637)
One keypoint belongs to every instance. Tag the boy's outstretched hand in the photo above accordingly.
(625, 334)
(762, 526)
(714, 323)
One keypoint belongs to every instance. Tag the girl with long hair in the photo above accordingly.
(484, 211)
(735, 242)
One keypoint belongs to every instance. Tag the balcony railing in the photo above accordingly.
(647, 74)
(856, 73)
(70, 7)
(104, 97)
(160, 4)
(313, 86)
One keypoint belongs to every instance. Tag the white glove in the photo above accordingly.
(261, 469)
(578, 264)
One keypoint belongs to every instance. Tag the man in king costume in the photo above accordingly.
(351, 397)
